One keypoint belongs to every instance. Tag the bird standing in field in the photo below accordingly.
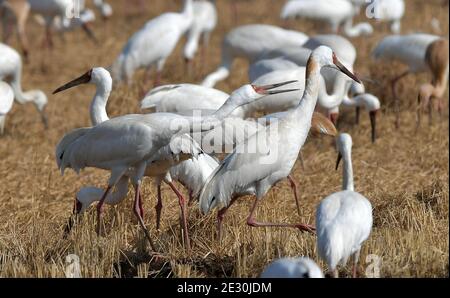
(420, 53)
(127, 145)
(204, 22)
(11, 72)
(249, 42)
(64, 9)
(268, 156)
(6, 103)
(153, 44)
(334, 12)
(343, 219)
(292, 268)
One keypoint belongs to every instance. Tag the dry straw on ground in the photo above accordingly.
(405, 175)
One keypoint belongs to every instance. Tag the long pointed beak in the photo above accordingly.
(267, 89)
(344, 69)
(373, 124)
(84, 79)
(338, 160)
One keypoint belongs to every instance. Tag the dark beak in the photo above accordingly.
(267, 90)
(84, 79)
(373, 123)
(338, 160)
(343, 69)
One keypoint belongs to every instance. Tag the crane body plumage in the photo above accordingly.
(6, 103)
(292, 268)
(141, 50)
(249, 42)
(11, 72)
(204, 22)
(343, 219)
(272, 152)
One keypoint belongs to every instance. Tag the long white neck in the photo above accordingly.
(16, 85)
(347, 181)
(98, 104)
(340, 89)
(308, 102)
(187, 14)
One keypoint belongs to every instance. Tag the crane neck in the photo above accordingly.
(188, 9)
(99, 102)
(340, 88)
(347, 181)
(308, 102)
(16, 85)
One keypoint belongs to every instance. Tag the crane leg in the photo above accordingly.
(253, 223)
(158, 207)
(137, 212)
(396, 99)
(355, 263)
(99, 209)
(191, 198)
(294, 190)
(184, 226)
(157, 79)
(221, 216)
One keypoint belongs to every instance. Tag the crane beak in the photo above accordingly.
(338, 161)
(344, 69)
(267, 89)
(84, 79)
(373, 123)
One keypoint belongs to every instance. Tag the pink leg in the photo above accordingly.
(99, 208)
(157, 79)
(221, 216)
(182, 203)
(191, 198)
(294, 190)
(158, 208)
(137, 212)
(253, 223)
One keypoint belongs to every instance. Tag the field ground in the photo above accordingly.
(405, 175)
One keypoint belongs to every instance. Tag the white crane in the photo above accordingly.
(11, 72)
(64, 9)
(127, 145)
(420, 53)
(203, 24)
(269, 156)
(334, 85)
(343, 219)
(249, 42)
(172, 98)
(391, 11)
(334, 12)
(6, 103)
(292, 268)
(153, 44)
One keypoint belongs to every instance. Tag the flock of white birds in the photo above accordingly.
(299, 82)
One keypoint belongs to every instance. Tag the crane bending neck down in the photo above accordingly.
(344, 147)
